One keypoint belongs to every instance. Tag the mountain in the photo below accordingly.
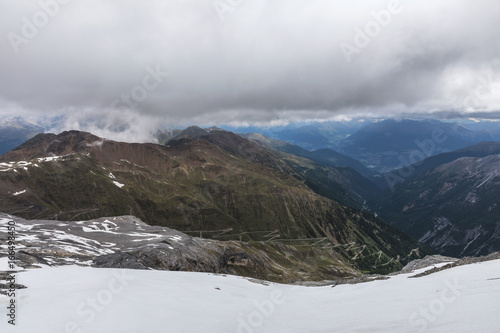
(452, 207)
(325, 172)
(192, 132)
(165, 135)
(489, 128)
(325, 157)
(220, 186)
(481, 149)
(310, 136)
(391, 144)
(15, 131)
(343, 185)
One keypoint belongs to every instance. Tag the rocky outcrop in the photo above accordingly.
(454, 262)
(127, 242)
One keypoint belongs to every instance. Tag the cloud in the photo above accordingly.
(246, 61)
(118, 125)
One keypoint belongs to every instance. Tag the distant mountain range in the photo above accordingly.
(251, 186)
(450, 202)
(310, 136)
(482, 149)
(327, 172)
(391, 144)
(212, 183)
(326, 156)
(382, 145)
(15, 131)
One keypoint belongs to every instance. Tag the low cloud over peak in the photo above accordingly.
(213, 62)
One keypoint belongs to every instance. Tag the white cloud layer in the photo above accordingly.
(179, 62)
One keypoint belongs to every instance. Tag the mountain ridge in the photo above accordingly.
(452, 207)
(213, 183)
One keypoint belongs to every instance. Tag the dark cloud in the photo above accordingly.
(246, 61)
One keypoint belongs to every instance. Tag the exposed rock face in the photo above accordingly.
(127, 242)
(449, 263)
(426, 262)
(453, 208)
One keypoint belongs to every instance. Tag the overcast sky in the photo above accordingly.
(137, 64)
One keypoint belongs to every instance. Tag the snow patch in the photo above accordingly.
(19, 193)
(50, 159)
(120, 185)
(175, 238)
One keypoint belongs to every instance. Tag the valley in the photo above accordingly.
(249, 207)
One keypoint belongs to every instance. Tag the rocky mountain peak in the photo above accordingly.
(43, 145)
(192, 132)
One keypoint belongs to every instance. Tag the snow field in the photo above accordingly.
(80, 299)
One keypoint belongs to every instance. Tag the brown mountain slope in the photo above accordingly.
(221, 186)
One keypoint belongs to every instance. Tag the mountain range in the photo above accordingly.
(390, 144)
(327, 172)
(382, 145)
(250, 187)
(310, 136)
(450, 202)
(213, 184)
(15, 131)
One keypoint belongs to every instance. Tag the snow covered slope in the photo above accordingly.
(81, 299)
